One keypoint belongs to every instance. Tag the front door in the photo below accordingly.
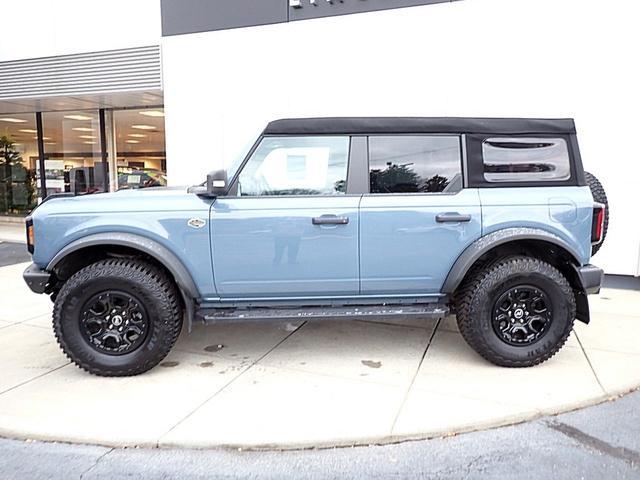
(289, 229)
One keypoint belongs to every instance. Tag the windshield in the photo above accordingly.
(233, 167)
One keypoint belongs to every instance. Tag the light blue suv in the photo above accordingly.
(491, 219)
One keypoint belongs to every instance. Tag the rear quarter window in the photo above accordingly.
(530, 159)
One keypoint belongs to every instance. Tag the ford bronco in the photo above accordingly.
(491, 219)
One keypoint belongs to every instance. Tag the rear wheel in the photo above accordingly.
(517, 312)
(117, 317)
(600, 196)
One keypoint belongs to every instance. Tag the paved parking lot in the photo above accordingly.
(292, 384)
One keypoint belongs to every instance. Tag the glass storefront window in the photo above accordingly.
(18, 161)
(140, 148)
(73, 154)
(73, 158)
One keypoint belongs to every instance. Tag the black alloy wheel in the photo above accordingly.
(114, 322)
(522, 315)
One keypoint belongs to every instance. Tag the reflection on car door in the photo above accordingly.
(291, 230)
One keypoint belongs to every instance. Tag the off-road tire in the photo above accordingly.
(157, 293)
(600, 196)
(477, 296)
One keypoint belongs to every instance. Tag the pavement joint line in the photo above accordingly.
(584, 352)
(415, 375)
(34, 378)
(95, 464)
(26, 319)
(23, 325)
(389, 324)
(594, 443)
(221, 389)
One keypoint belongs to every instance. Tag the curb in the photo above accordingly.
(337, 443)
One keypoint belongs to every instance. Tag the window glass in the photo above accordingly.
(18, 161)
(296, 166)
(73, 159)
(414, 164)
(525, 159)
(140, 148)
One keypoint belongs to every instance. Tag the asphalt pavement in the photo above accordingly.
(601, 442)
(12, 253)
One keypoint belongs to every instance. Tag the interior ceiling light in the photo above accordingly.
(152, 113)
(82, 129)
(90, 137)
(49, 143)
(143, 127)
(78, 117)
(89, 143)
(28, 130)
(137, 135)
(132, 141)
(12, 120)
(44, 138)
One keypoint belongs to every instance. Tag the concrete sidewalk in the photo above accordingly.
(288, 385)
(13, 232)
(600, 442)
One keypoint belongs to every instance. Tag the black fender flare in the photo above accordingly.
(164, 256)
(482, 245)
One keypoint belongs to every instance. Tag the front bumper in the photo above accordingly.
(36, 278)
(591, 278)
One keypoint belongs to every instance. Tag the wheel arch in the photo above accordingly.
(86, 250)
(521, 241)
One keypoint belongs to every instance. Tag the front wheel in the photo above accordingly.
(516, 313)
(117, 317)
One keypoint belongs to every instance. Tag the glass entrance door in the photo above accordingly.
(140, 147)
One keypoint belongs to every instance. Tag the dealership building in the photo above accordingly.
(102, 95)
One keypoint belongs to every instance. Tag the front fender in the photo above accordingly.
(164, 256)
(152, 248)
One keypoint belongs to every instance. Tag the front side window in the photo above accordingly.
(297, 165)
(520, 159)
(414, 164)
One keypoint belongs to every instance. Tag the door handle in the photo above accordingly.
(329, 220)
(452, 217)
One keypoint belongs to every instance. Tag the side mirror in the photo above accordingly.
(217, 183)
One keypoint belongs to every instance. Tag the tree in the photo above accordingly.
(395, 178)
(437, 183)
(16, 184)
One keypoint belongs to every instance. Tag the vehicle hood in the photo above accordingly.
(153, 199)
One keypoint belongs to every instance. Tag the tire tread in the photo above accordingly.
(139, 271)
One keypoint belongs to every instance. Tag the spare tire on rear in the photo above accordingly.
(599, 195)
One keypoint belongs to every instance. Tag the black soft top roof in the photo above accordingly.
(382, 125)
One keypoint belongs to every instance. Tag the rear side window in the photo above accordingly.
(525, 159)
(414, 164)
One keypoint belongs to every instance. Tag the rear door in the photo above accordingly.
(417, 218)
(290, 229)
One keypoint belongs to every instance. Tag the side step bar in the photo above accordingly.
(219, 315)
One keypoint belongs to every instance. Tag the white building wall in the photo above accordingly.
(43, 28)
(530, 58)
